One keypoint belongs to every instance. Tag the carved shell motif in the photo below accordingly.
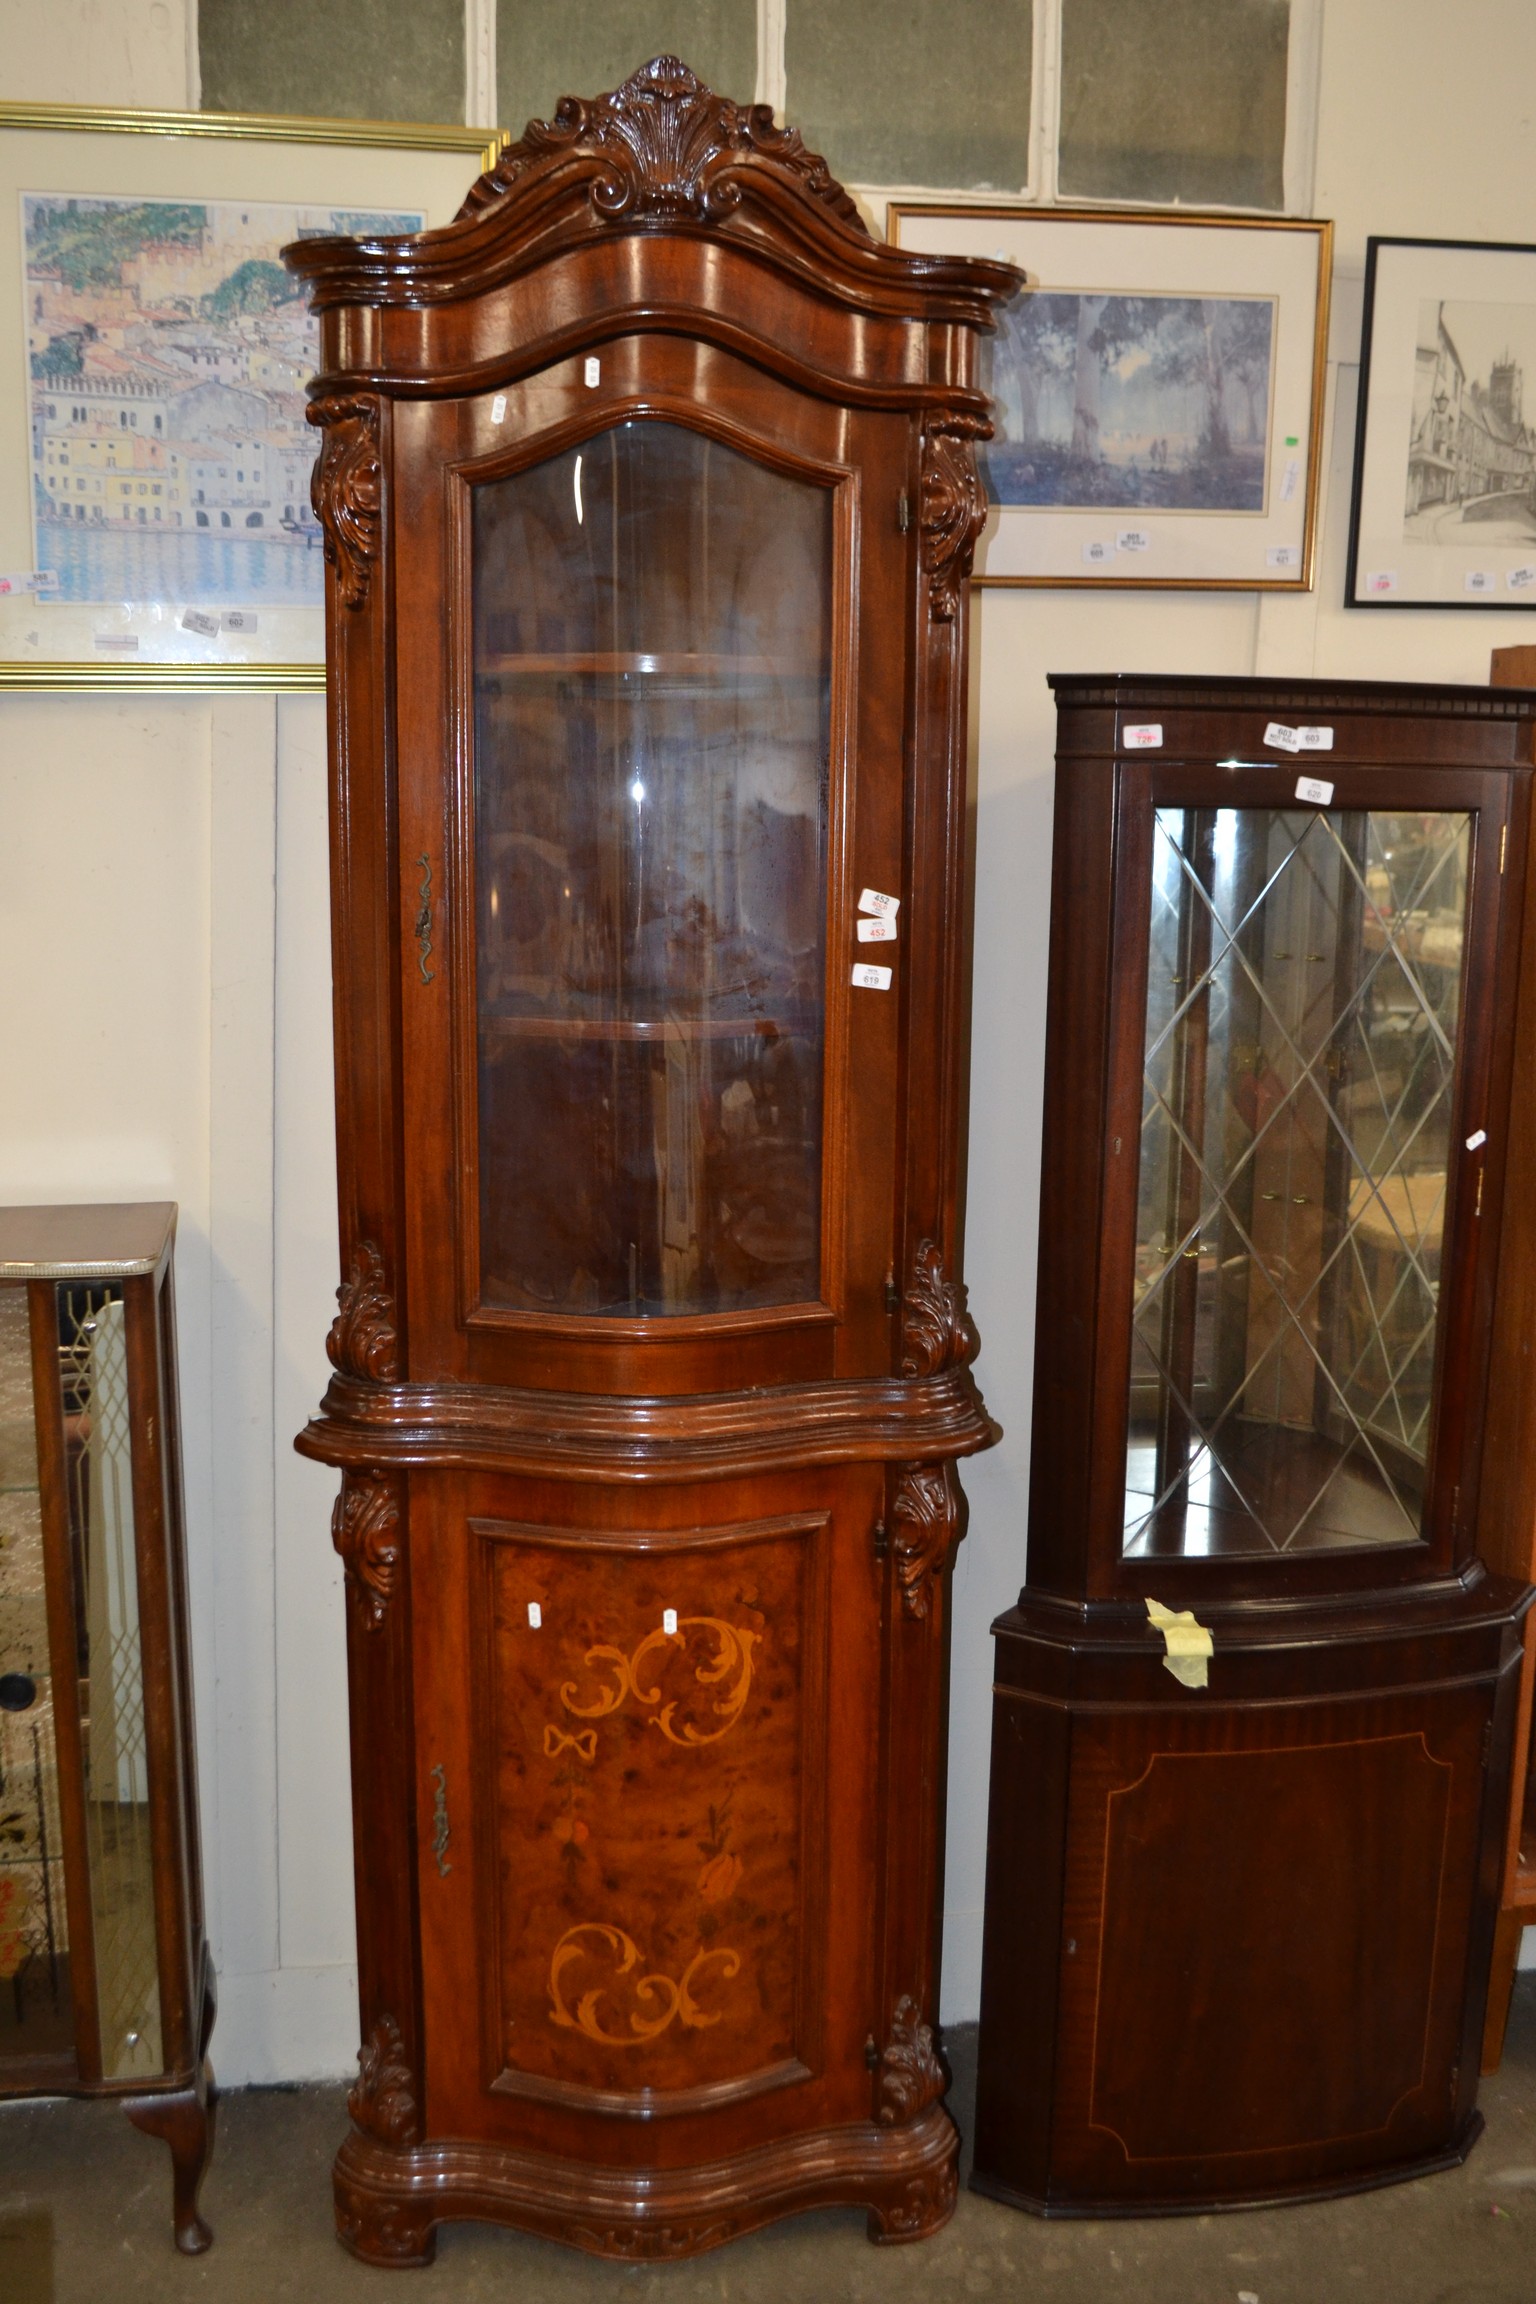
(382, 2101)
(365, 1529)
(362, 1341)
(952, 506)
(925, 1515)
(666, 147)
(937, 1331)
(347, 489)
(911, 2076)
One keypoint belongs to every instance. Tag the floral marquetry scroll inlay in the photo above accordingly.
(347, 489)
(383, 2098)
(911, 2076)
(726, 1675)
(655, 2001)
(362, 1341)
(365, 1529)
(952, 506)
(664, 146)
(925, 1516)
(937, 1331)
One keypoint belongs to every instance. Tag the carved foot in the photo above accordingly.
(918, 2207)
(380, 2229)
(182, 2118)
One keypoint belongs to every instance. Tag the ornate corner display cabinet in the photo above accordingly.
(106, 1987)
(649, 495)
(1237, 1935)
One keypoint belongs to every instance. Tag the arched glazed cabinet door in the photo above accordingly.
(645, 1092)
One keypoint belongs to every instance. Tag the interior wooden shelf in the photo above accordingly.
(658, 1029)
(670, 664)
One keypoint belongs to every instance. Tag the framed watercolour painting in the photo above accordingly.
(1444, 506)
(1157, 394)
(155, 523)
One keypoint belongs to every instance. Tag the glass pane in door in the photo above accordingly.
(98, 1455)
(37, 2016)
(652, 653)
(1302, 1012)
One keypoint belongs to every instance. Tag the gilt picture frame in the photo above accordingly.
(155, 524)
(1158, 394)
(1443, 510)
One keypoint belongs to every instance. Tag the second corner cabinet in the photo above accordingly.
(1237, 1934)
(649, 493)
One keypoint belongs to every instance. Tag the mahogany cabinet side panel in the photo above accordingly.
(1074, 1162)
(1021, 1945)
(365, 933)
(1506, 1532)
(381, 1708)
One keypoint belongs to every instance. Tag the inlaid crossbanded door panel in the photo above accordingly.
(1351, 1912)
(630, 1854)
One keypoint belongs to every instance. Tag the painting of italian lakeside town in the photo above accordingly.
(168, 352)
(1132, 402)
(1471, 454)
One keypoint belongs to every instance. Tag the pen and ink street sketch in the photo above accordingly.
(1471, 466)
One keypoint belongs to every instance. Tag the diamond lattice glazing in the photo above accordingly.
(1302, 1002)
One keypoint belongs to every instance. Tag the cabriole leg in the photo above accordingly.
(184, 2120)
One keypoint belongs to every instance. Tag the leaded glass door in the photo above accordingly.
(1310, 1131)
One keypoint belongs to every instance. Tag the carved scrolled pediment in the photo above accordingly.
(664, 146)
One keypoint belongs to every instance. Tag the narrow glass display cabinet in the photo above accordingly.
(1239, 1914)
(106, 1987)
(649, 495)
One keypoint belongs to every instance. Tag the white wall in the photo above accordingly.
(163, 934)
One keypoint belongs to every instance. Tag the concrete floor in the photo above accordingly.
(84, 2219)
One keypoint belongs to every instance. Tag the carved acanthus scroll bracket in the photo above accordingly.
(363, 1341)
(911, 2075)
(937, 1331)
(925, 1516)
(347, 489)
(382, 2101)
(365, 1529)
(952, 504)
(665, 146)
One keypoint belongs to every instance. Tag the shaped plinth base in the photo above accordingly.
(389, 2200)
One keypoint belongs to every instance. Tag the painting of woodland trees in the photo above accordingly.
(1132, 402)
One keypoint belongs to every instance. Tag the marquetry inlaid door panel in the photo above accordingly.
(636, 1837)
